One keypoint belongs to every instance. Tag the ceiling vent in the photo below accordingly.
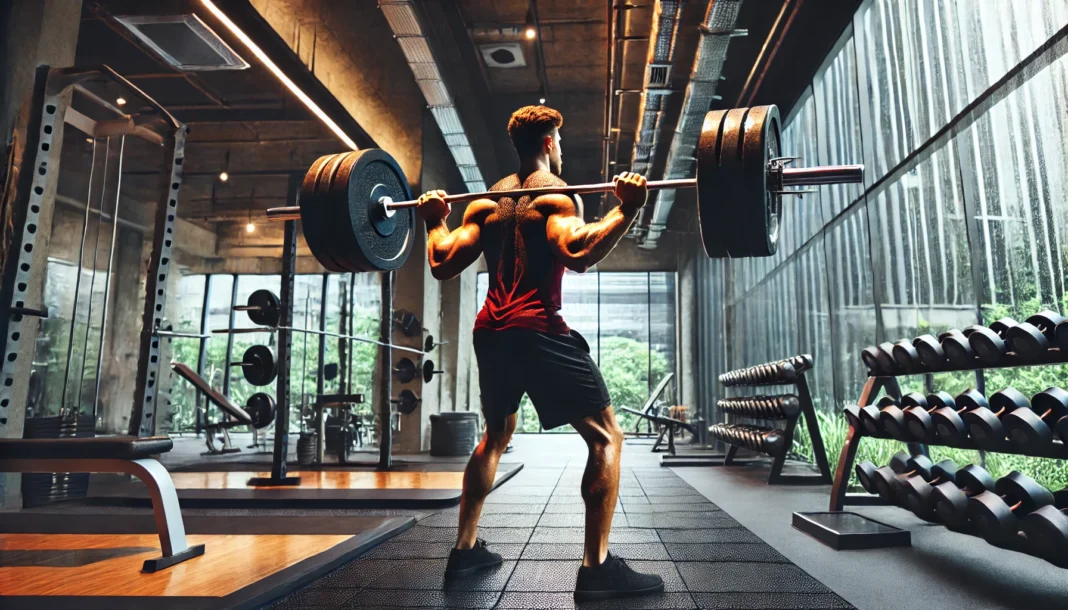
(503, 55)
(184, 41)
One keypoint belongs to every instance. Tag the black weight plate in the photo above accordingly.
(407, 402)
(313, 203)
(336, 192)
(405, 370)
(260, 367)
(366, 238)
(709, 184)
(428, 370)
(260, 407)
(268, 309)
(762, 142)
(729, 194)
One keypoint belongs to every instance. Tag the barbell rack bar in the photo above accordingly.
(791, 176)
(271, 329)
(170, 334)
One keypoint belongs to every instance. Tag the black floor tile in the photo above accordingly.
(489, 534)
(546, 576)
(505, 498)
(671, 508)
(758, 553)
(770, 601)
(573, 535)
(576, 520)
(490, 520)
(429, 574)
(316, 597)
(679, 499)
(649, 551)
(434, 550)
(512, 600)
(682, 520)
(424, 599)
(709, 536)
(664, 569)
(510, 509)
(748, 577)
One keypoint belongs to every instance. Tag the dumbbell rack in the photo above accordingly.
(875, 383)
(804, 398)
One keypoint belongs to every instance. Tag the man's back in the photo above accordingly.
(524, 275)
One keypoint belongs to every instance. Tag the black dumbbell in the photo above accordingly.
(1046, 530)
(915, 492)
(997, 515)
(879, 359)
(869, 415)
(892, 417)
(948, 425)
(802, 362)
(884, 478)
(930, 351)
(989, 343)
(918, 421)
(1035, 426)
(1033, 338)
(905, 354)
(866, 470)
(787, 406)
(949, 500)
(984, 425)
(957, 348)
(852, 415)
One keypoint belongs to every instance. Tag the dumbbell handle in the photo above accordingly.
(247, 308)
(242, 364)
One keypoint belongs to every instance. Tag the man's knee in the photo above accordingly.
(609, 436)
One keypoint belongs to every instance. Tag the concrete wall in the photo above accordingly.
(32, 33)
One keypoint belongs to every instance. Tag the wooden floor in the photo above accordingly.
(325, 479)
(110, 565)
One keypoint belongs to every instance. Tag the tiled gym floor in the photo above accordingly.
(662, 525)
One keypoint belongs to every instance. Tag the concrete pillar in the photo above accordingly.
(686, 326)
(457, 321)
(32, 33)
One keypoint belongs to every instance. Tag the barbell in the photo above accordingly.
(357, 212)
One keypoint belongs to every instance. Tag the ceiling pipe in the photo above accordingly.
(716, 29)
(609, 87)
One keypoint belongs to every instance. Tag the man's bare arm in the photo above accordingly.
(450, 252)
(581, 246)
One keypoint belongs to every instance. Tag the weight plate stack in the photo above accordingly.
(453, 433)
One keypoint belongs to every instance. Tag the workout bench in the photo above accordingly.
(668, 427)
(238, 416)
(122, 454)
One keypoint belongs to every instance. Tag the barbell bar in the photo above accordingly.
(804, 176)
(357, 211)
(271, 329)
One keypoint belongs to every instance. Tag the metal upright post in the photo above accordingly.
(285, 345)
(385, 354)
(320, 410)
(202, 357)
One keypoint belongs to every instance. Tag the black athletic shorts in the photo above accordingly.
(555, 370)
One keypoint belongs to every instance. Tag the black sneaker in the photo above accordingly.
(612, 579)
(465, 562)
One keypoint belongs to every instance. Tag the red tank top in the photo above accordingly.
(524, 275)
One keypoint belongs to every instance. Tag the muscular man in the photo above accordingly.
(523, 344)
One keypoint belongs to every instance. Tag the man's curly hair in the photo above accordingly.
(529, 125)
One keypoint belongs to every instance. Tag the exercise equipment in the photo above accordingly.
(262, 307)
(866, 470)
(453, 433)
(869, 415)
(929, 349)
(406, 370)
(905, 354)
(949, 500)
(879, 359)
(883, 478)
(258, 365)
(957, 348)
(358, 215)
(1035, 426)
(989, 343)
(948, 424)
(984, 425)
(1032, 338)
(892, 417)
(917, 418)
(1046, 530)
(406, 402)
(997, 514)
(258, 412)
(914, 492)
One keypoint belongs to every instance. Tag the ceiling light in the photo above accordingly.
(251, 228)
(224, 176)
(530, 33)
(281, 76)
(541, 100)
(121, 101)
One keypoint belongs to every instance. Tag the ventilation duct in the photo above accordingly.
(415, 45)
(716, 31)
(183, 41)
(657, 81)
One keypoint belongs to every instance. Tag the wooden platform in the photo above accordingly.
(318, 488)
(102, 570)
